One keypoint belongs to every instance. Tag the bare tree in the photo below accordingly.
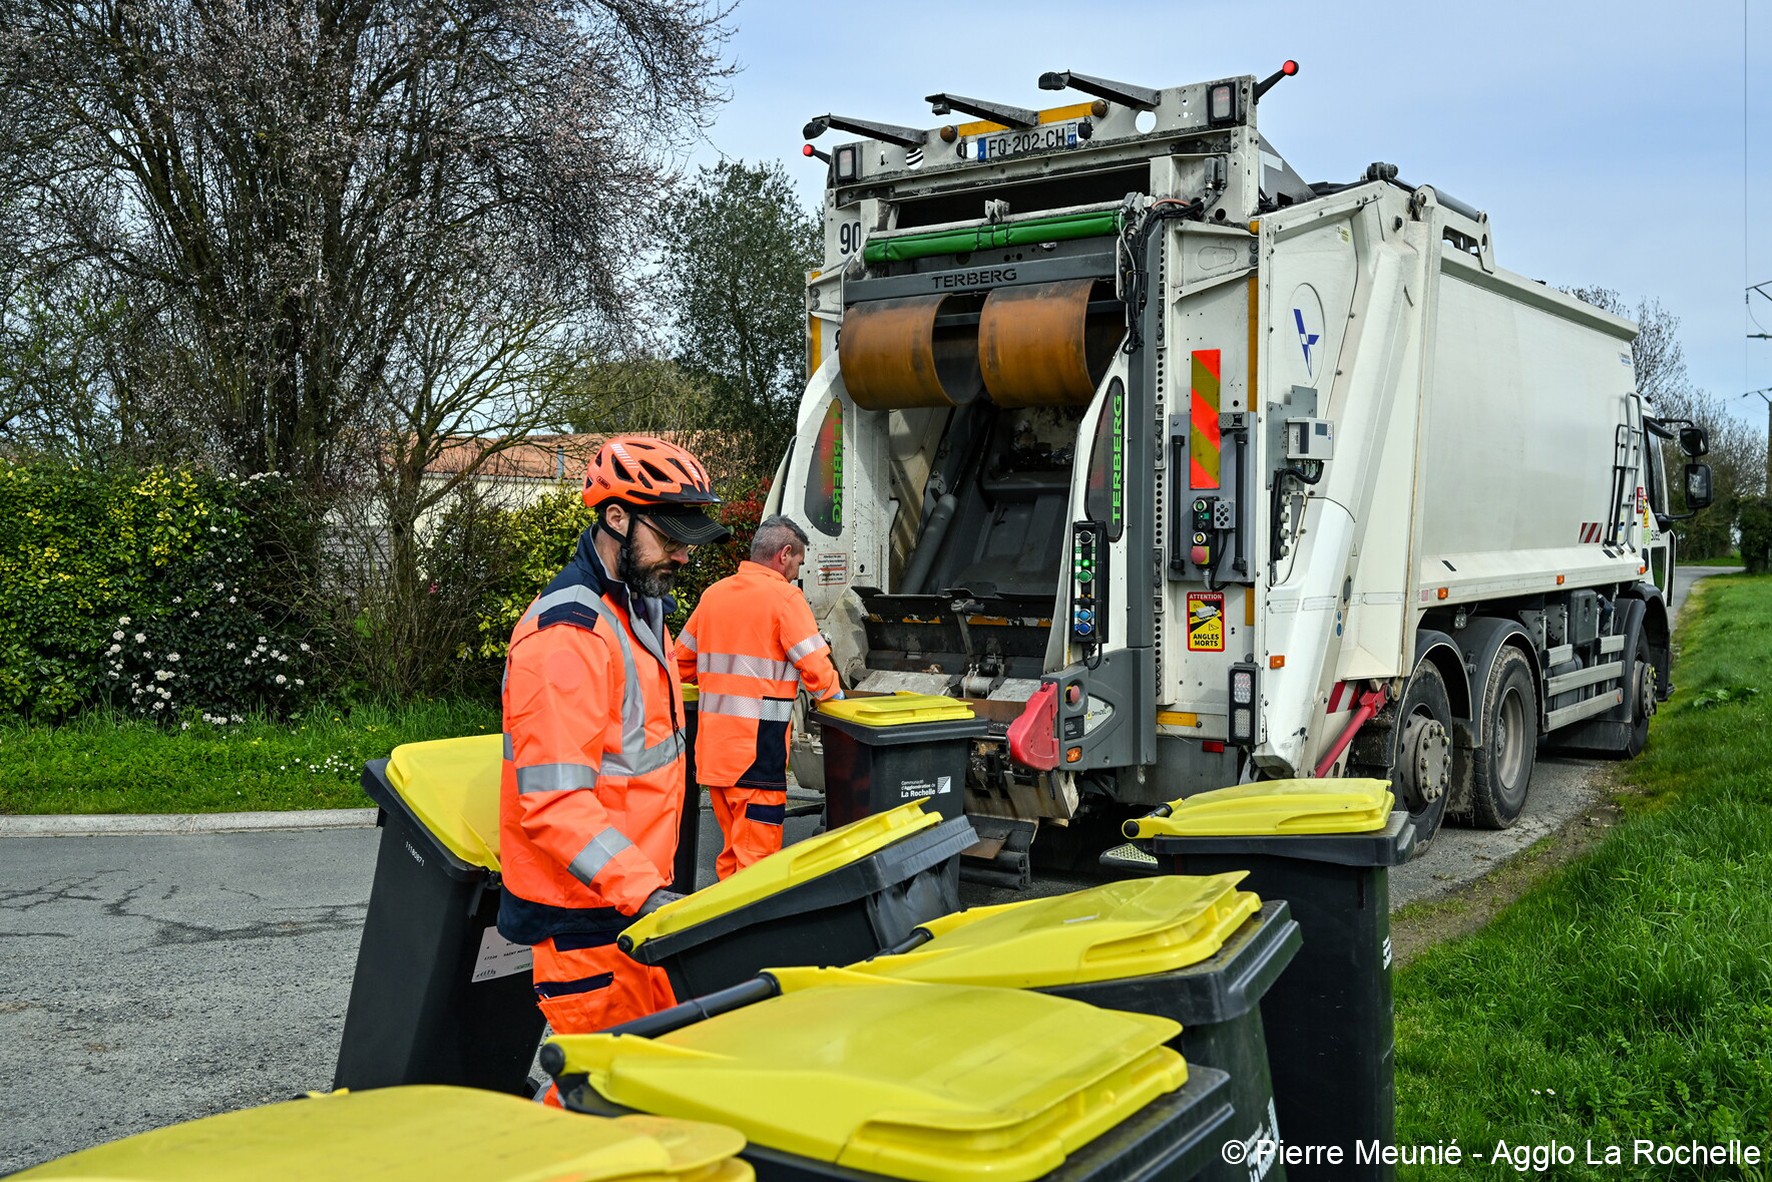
(291, 183)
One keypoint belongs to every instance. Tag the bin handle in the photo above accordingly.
(762, 987)
(1132, 828)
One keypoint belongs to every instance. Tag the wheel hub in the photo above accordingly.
(1645, 690)
(1426, 759)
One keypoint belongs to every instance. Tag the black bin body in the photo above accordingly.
(416, 1016)
(1218, 1003)
(1328, 1019)
(838, 918)
(1173, 1138)
(870, 769)
(689, 827)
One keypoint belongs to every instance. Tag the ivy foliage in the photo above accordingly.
(160, 592)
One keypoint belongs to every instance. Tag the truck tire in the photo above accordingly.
(1422, 775)
(1639, 695)
(1501, 767)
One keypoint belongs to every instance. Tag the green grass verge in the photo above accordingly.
(106, 764)
(1628, 996)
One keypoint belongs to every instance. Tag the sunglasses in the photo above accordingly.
(670, 545)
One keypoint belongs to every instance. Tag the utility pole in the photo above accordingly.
(1766, 394)
(1759, 336)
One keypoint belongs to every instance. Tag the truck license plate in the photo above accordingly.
(999, 145)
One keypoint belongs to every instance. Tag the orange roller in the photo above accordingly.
(1039, 346)
(895, 354)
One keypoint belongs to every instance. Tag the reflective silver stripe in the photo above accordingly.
(554, 599)
(746, 666)
(601, 850)
(739, 706)
(633, 701)
(556, 777)
(510, 751)
(806, 647)
(636, 758)
(648, 759)
(687, 640)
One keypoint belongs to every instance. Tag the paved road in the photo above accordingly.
(149, 979)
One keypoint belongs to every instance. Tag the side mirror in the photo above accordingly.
(1697, 486)
(1694, 442)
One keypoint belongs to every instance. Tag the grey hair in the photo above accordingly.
(773, 533)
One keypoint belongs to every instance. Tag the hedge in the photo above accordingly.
(163, 593)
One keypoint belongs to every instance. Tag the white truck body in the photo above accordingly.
(1467, 470)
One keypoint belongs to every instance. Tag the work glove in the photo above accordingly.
(655, 900)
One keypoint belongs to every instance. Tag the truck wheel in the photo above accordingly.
(1502, 766)
(1639, 697)
(1422, 777)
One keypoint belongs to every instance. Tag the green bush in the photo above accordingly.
(160, 592)
(1754, 515)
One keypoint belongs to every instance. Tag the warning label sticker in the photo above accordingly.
(1205, 621)
(833, 570)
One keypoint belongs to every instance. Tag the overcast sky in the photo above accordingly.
(1625, 144)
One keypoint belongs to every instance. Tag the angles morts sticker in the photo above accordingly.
(1205, 621)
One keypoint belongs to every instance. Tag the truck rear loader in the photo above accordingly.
(1184, 471)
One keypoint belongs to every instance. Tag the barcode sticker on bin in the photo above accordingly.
(500, 958)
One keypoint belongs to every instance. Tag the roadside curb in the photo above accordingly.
(121, 823)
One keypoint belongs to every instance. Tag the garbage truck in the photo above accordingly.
(1186, 472)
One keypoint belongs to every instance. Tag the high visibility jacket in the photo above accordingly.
(749, 644)
(594, 759)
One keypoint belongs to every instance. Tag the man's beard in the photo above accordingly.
(652, 584)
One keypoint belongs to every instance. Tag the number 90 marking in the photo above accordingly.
(849, 237)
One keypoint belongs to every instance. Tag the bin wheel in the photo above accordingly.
(1422, 775)
(1501, 767)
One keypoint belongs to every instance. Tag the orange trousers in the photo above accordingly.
(584, 990)
(750, 825)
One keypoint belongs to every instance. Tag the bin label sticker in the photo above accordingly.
(500, 958)
(833, 570)
(916, 789)
(1205, 621)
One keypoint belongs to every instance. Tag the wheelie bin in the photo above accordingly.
(1195, 950)
(1326, 847)
(439, 997)
(413, 1134)
(884, 750)
(841, 1075)
(832, 899)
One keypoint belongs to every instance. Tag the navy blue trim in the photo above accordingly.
(766, 814)
(549, 989)
(582, 614)
(769, 767)
(523, 922)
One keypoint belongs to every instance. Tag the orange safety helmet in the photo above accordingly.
(659, 480)
(640, 470)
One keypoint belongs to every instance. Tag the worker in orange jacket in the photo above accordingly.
(594, 759)
(748, 647)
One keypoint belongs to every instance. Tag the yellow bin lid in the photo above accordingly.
(1276, 807)
(451, 786)
(1123, 929)
(421, 1134)
(933, 1083)
(786, 868)
(901, 709)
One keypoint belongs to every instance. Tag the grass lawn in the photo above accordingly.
(1630, 994)
(103, 764)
